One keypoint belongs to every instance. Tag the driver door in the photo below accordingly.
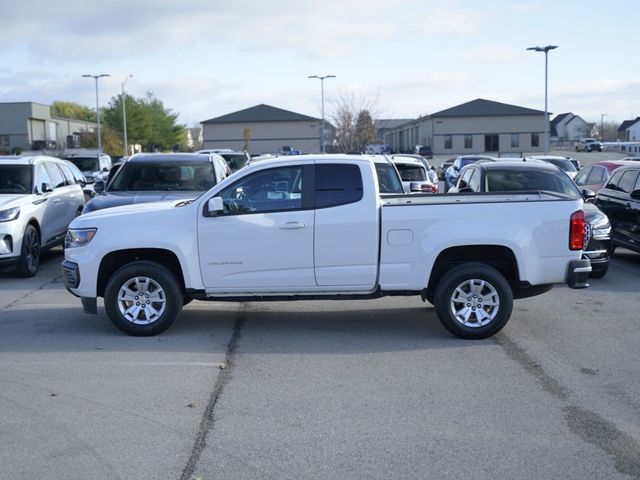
(263, 241)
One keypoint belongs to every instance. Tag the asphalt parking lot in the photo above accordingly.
(359, 389)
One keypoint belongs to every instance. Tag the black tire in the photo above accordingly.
(29, 253)
(600, 271)
(493, 300)
(146, 281)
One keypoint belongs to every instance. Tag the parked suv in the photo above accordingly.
(94, 166)
(39, 197)
(150, 177)
(620, 200)
(588, 145)
(415, 178)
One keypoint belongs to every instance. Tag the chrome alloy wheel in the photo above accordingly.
(141, 300)
(474, 303)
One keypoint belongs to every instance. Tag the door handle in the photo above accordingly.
(292, 226)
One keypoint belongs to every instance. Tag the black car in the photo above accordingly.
(149, 177)
(542, 176)
(620, 200)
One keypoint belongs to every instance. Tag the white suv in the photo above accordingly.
(39, 196)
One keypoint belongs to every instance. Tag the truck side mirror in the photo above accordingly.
(215, 207)
(46, 187)
(98, 186)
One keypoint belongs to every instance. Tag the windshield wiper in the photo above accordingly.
(184, 203)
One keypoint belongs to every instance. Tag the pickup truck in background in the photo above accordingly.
(316, 227)
(588, 145)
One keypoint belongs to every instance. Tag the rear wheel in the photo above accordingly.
(143, 299)
(473, 301)
(30, 253)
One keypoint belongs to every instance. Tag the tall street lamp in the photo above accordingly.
(602, 115)
(322, 96)
(124, 116)
(96, 77)
(546, 114)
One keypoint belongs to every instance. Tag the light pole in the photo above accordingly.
(96, 77)
(322, 97)
(124, 116)
(602, 115)
(546, 114)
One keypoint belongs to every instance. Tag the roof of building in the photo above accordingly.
(569, 117)
(390, 122)
(627, 123)
(485, 108)
(261, 113)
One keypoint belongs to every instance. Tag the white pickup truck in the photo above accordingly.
(317, 227)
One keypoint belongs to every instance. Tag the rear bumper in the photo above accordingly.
(578, 274)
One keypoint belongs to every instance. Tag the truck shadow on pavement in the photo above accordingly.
(207, 328)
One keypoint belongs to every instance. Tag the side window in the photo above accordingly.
(474, 181)
(464, 178)
(337, 185)
(612, 184)
(68, 176)
(627, 181)
(273, 190)
(583, 175)
(57, 180)
(596, 175)
(42, 177)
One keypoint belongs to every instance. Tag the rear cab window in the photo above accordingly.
(337, 184)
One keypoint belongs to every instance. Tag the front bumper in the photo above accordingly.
(71, 278)
(578, 273)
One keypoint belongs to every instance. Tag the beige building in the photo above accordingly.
(479, 126)
(265, 129)
(30, 126)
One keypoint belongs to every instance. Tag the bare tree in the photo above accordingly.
(352, 114)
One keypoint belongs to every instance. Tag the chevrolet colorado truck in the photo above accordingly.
(316, 227)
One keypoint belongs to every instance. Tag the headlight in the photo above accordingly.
(79, 237)
(9, 214)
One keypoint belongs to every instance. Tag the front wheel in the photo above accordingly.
(473, 301)
(143, 298)
(29, 261)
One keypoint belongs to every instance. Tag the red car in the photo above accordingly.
(596, 175)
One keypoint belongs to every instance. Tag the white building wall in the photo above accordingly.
(264, 137)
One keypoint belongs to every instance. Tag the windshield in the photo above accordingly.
(164, 176)
(85, 164)
(411, 173)
(527, 180)
(388, 180)
(562, 164)
(16, 178)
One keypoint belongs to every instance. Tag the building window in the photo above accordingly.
(491, 143)
(535, 140)
(515, 140)
(468, 141)
(448, 142)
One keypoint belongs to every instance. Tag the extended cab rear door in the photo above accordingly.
(346, 225)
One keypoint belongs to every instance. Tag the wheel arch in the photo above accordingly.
(499, 257)
(114, 260)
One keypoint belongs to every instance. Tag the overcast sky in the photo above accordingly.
(206, 58)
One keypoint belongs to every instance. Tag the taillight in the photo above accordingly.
(577, 231)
